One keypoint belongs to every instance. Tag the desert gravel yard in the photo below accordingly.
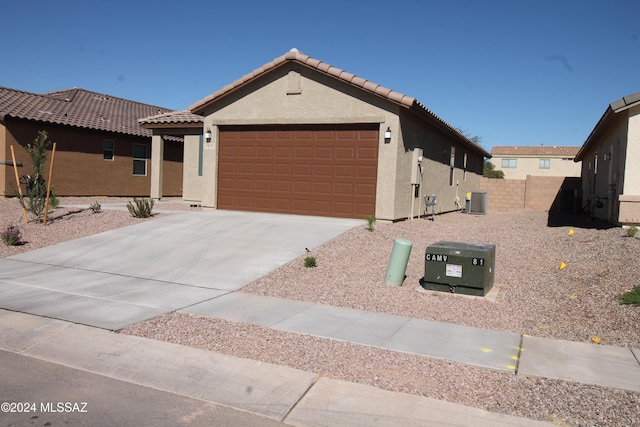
(535, 297)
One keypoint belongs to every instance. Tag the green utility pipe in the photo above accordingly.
(398, 262)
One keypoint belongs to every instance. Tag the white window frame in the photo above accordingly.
(544, 164)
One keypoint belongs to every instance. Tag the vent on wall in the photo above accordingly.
(478, 203)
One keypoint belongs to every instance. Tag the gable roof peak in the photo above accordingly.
(296, 56)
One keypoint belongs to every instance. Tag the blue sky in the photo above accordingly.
(514, 72)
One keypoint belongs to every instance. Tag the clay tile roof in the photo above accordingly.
(614, 108)
(78, 108)
(299, 57)
(537, 150)
(184, 117)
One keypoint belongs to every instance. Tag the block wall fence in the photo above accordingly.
(540, 193)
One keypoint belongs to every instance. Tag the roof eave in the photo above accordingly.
(190, 125)
(442, 125)
(601, 123)
(615, 107)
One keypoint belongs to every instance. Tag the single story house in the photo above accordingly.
(300, 136)
(542, 160)
(101, 150)
(610, 167)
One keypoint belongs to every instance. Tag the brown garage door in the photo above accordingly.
(305, 170)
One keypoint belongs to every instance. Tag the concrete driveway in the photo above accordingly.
(114, 279)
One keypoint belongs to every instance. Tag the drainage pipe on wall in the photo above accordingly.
(398, 262)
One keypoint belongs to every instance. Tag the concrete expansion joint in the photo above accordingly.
(302, 396)
(519, 355)
(384, 343)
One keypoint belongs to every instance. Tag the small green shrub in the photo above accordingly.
(310, 262)
(371, 219)
(632, 297)
(141, 209)
(11, 236)
(632, 231)
(95, 207)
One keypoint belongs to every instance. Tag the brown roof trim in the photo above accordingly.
(296, 56)
(173, 120)
(615, 107)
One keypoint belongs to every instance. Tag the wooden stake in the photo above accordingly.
(15, 169)
(46, 204)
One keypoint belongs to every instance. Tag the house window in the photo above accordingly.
(509, 163)
(452, 164)
(107, 150)
(464, 175)
(139, 159)
(200, 155)
(545, 163)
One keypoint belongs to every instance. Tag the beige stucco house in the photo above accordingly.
(519, 161)
(610, 166)
(300, 136)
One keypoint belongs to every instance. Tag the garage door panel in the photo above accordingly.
(343, 189)
(365, 190)
(281, 204)
(264, 169)
(264, 152)
(310, 170)
(344, 171)
(367, 172)
(323, 153)
(263, 185)
(302, 187)
(263, 204)
(282, 186)
(367, 153)
(283, 152)
(345, 153)
(321, 188)
(244, 185)
(303, 171)
(246, 168)
(348, 135)
(244, 202)
(282, 169)
(246, 152)
(323, 171)
(304, 153)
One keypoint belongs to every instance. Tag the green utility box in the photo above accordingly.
(462, 268)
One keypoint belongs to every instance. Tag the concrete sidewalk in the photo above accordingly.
(284, 394)
(528, 356)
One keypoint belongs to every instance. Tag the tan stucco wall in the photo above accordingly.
(610, 180)
(436, 148)
(629, 201)
(531, 166)
(294, 94)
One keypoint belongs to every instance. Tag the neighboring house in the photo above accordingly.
(518, 162)
(300, 136)
(101, 150)
(610, 163)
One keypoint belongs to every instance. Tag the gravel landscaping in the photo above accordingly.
(534, 297)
